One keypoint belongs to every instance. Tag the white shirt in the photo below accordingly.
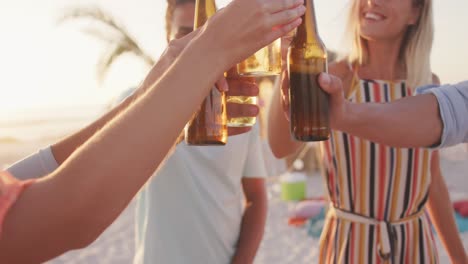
(35, 166)
(191, 210)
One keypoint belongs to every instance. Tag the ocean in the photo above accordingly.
(44, 123)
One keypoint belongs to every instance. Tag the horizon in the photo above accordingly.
(45, 64)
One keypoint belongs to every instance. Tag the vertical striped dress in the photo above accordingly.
(377, 182)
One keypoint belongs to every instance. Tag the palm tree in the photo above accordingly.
(107, 29)
(119, 41)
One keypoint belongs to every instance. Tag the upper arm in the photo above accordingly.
(254, 161)
(254, 189)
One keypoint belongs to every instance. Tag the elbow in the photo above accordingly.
(85, 232)
(280, 154)
(277, 149)
(49, 247)
(83, 240)
(280, 149)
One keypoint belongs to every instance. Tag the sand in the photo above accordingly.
(281, 244)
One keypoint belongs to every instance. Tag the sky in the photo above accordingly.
(43, 64)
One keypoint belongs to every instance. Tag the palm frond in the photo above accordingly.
(89, 12)
(102, 35)
(107, 59)
(106, 29)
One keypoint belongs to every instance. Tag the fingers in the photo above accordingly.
(331, 84)
(280, 5)
(242, 87)
(232, 73)
(232, 131)
(222, 85)
(285, 43)
(285, 85)
(286, 16)
(284, 93)
(242, 110)
(282, 30)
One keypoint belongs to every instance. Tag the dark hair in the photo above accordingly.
(171, 6)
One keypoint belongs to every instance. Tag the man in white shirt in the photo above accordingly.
(192, 211)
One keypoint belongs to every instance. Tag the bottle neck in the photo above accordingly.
(307, 32)
(204, 9)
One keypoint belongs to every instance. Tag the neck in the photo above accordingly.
(307, 31)
(383, 61)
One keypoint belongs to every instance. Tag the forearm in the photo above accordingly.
(47, 160)
(279, 135)
(64, 148)
(72, 206)
(409, 122)
(441, 213)
(251, 234)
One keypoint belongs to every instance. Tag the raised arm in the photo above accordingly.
(279, 135)
(409, 122)
(71, 207)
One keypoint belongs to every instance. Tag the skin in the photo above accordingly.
(72, 206)
(254, 217)
(384, 37)
(182, 24)
(382, 122)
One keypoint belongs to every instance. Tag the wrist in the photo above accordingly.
(348, 117)
(213, 52)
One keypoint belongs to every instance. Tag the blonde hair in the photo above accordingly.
(415, 50)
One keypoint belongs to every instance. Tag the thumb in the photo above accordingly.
(222, 85)
(331, 84)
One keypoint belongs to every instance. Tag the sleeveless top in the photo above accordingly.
(379, 182)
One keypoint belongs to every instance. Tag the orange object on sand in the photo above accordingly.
(297, 221)
(461, 207)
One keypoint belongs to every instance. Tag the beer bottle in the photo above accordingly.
(209, 125)
(307, 58)
(244, 121)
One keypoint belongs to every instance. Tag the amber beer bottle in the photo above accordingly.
(209, 125)
(309, 103)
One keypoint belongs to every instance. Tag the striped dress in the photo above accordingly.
(378, 182)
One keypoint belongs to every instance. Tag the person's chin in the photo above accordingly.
(372, 35)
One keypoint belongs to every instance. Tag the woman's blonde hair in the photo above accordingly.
(415, 50)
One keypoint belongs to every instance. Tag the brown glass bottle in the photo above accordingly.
(209, 125)
(308, 102)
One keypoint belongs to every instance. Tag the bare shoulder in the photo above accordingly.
(435, 79)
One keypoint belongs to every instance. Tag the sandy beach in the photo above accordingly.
(281, 243)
